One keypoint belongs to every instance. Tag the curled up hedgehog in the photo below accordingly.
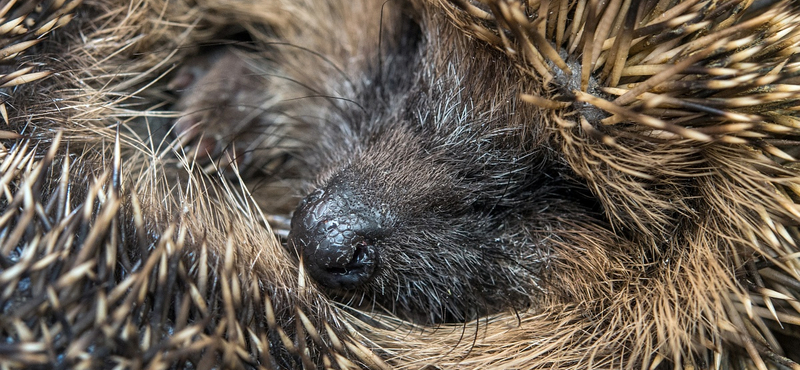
(436, 184)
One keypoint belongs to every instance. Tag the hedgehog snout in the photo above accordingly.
(338, 237)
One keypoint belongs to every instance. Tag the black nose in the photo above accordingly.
(337, 235)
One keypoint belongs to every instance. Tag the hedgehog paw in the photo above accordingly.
(219, 102)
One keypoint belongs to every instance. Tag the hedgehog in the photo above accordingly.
(495, 184)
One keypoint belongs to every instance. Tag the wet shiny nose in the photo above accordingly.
(337, 235)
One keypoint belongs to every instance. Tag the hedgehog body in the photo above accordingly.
(590, 184)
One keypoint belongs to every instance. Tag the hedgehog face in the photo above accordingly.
(418, 179)
(419, 187)
(396, 223)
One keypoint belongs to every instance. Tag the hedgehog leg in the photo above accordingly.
(221, 101)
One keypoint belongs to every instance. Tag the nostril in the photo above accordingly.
(338, 237)
(361, 256)
(359, 262)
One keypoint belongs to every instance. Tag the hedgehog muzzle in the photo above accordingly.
(338, 236)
